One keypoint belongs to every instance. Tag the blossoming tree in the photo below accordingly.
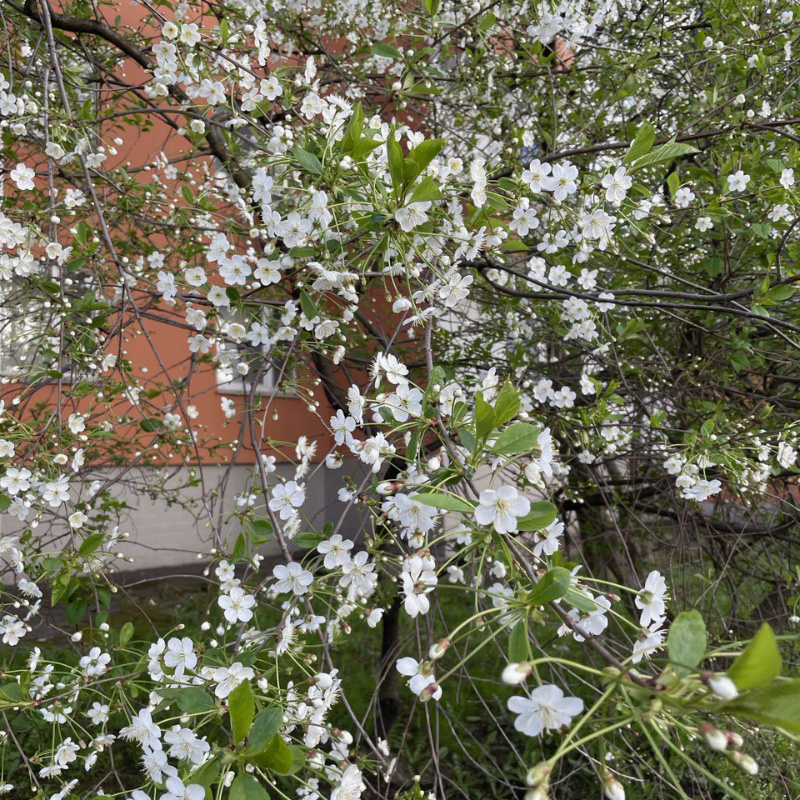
(533, 268)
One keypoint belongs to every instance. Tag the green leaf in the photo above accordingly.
(90, 544)
(277, 757)
(467, 439)
(777, 704)
(447, 502)
(246, 787)
(487, 23)
(673, 183)
(432, 6)
(519, 646)
(642, 144)
(242, 707)
(506, 407)
(394, 156)
(194, 700)
(353, 131)
(427, 190)
(298, 759)
(307, 540)
(517, 438)
(5, 502)
(667, 152)
(418, 159)
(308, 161)
(484, 417)
(386, 50)
(261, 530)
(542, 513)
(265, 727)
(206, 775)
(150, 425)
(780, 293)
(126, 633)
(82, 232)
(579, 600)
(551, 586)
(686, 642)
(759, 663)
(61, 586)
(12, 692)
(307, 306)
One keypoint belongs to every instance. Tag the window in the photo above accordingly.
(266, 375)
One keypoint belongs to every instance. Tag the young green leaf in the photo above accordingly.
(446, 502)
(386, 50)
(506, 407)
(419, 158)
(519, 646)
(777, 704)
(759, 663)
(394, 155)
(642, 144)
(308, 161)
(674, 183)
(194, 700)
(542, 513)
(246, 787)
(126, 633)
(242, 708)
(686, 642)
(276, 756)
(551, 586)
(485, 421)
(517, 438)
(91, 543)
(307, 306)
(353, 131)
(661, 155)
(426, 190)
(266, 725)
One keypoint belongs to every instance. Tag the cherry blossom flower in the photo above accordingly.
(545, 709)
(419, 579)
(237, 605)
(502, 509)
(292, 578)
(652, 599)
(286, 497)
(413, 215)
(421, 675)
(228, 678)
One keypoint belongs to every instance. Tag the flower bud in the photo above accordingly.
(722, 686)
(439, 649)
(516, 672)
(734, 740)
(713, 737)
(345, 736)
(612, 788)
(538, 774)
(431, 691)
(745, 763)
(539, 793)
